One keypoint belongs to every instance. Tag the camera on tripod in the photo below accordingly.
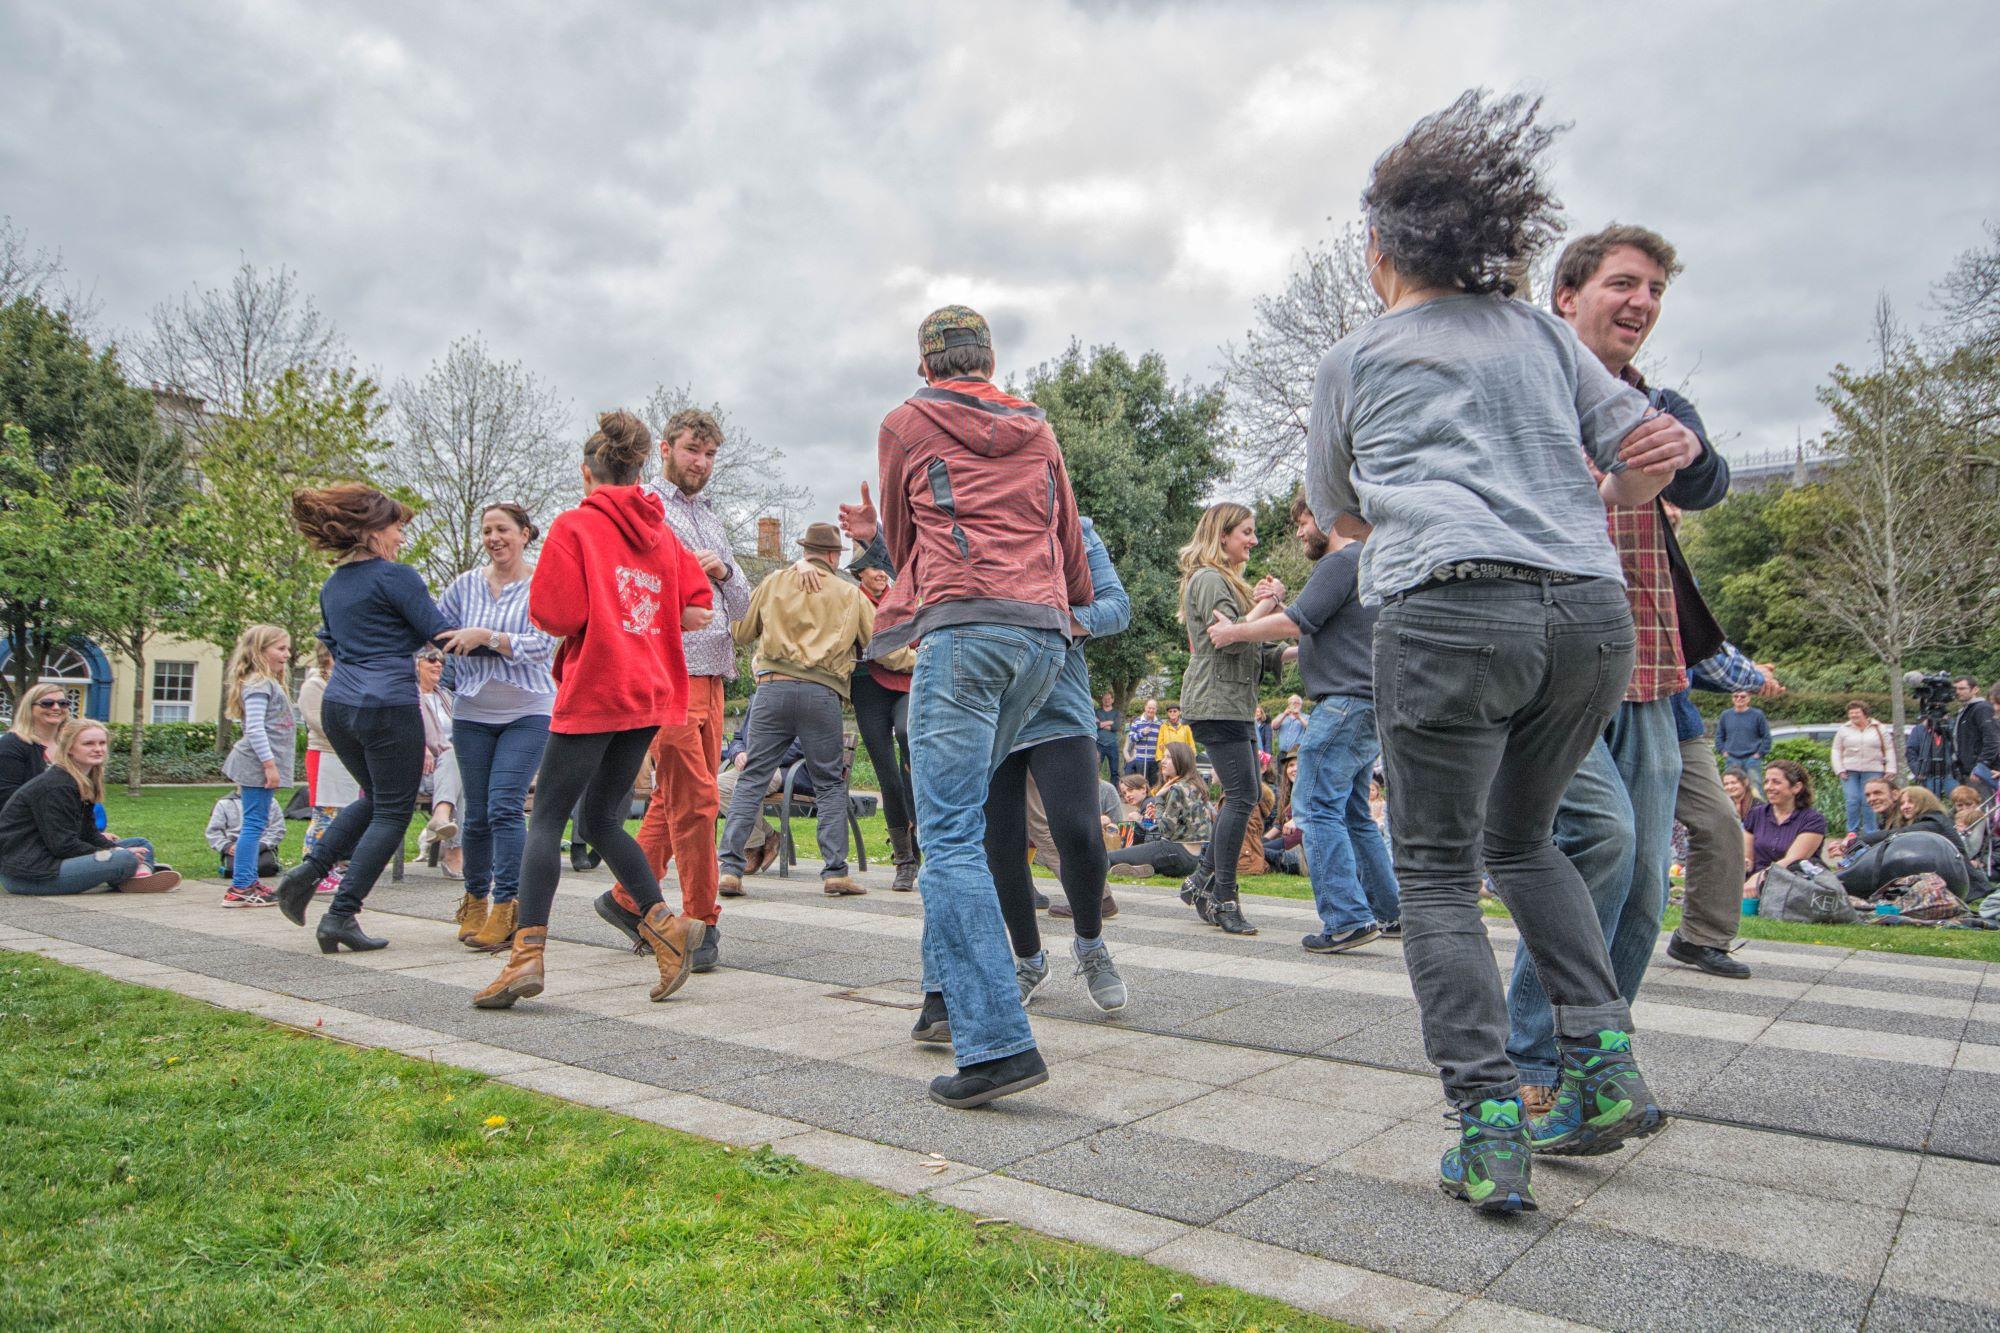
(1934, 690)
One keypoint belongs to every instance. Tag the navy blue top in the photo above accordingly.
(375, 615)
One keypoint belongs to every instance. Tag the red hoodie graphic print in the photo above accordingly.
(612, 581)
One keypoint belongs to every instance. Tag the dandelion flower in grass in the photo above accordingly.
(495, 1121)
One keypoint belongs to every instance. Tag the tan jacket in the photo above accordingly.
(815, 636)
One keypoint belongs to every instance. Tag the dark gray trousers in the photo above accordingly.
(788, 710)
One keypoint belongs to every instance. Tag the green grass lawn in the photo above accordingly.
(165, 1163)
(173, 817)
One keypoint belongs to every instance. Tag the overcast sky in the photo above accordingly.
(763, 202)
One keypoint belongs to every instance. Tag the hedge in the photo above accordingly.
(174, 752)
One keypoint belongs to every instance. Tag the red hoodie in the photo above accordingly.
(978, 516)
(612, 581)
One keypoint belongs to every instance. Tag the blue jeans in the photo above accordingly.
(1860, 819)
(1353, 883)
(1753, 768)
(257, 802)
(973, 688)
(1616, 825)
(496, 762)
(80, 874)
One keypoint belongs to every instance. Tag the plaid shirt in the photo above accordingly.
(709, 652)
(1658, 671)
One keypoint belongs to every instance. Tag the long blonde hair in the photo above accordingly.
(89, 781)
(1204, 551)
(24, 711)
(246, 665)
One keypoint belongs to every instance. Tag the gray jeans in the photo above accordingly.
(1713, 905)
(1488, 695)
(788, 709)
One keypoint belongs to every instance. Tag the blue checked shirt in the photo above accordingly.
(710, 652)
(470, 602)
(1726, 672)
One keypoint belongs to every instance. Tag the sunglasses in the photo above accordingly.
(59, 704)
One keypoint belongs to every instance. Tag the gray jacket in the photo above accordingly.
(244, 766)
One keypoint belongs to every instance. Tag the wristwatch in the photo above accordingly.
(493, 639)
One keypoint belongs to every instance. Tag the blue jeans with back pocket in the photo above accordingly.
(973, 688)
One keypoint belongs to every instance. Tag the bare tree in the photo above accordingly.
(1270, 378)
(1893, 526)
(474, 431)
(229, 346)
(748, 482)
(41, 276)
(1969, 295)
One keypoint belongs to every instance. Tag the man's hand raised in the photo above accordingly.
(858, 522)
(1660, 444)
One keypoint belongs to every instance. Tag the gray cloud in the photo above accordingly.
(762, 202)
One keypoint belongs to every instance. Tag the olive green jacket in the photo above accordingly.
(1220, 684)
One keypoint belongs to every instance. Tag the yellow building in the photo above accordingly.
(183, 681)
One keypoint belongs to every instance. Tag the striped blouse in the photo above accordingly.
(522, 680)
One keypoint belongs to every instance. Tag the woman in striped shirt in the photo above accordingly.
(500, 723)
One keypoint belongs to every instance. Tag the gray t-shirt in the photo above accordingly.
(1454, 429)
(1336, 632)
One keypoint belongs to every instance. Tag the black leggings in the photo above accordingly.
(1232, 748)
(599, 766)
(1065, 773)
(883, 717)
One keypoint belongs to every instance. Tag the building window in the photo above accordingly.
(173, 691)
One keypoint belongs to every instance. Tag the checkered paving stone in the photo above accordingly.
(1257, 1115)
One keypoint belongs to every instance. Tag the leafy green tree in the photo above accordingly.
(248, 564)
(59, 542)
(1142, 453)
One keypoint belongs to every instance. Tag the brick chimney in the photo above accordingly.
(770, 543)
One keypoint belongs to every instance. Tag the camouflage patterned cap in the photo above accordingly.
(953, 326)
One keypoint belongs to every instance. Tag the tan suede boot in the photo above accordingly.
(521, 979)
(471, 916)
(840, 886)
(674, 940)
(498, 931)
(729, 886)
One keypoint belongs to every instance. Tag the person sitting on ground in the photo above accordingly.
(1184, 818)
(49, 841)
(1888, 853)
(1736, 783)
(1250, 861)
(1784, 829)
(24, 749)
(225, 826)
(1968, 813)
(1134, 793)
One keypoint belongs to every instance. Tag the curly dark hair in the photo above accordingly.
(339, 519)
(1461, 202)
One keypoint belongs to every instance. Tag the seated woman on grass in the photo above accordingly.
(1785, 829)
(49, 842)
(1183, 816)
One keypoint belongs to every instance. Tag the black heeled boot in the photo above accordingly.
(1228, 914)
(296, 889)
(336, 930)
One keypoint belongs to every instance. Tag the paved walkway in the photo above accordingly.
(1256, 1116)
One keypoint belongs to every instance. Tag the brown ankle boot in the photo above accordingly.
(521, 979)
(471, 916)
(903, 852)
(729, 886)
(497, 932)
(674, 940)
(840, 886)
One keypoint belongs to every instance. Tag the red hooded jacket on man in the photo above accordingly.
(612, 580)
(978, 515)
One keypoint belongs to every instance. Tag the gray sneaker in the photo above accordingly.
(1106, 987)
(1032, 976)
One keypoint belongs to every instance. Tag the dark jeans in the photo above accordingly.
(1232, 748)
(1065, 772)
(384, 749)
(497, 762)
(882, 715)
(1488, 695)
(1108, 756)
(789, 710)
(1166, 858)
(599, 767)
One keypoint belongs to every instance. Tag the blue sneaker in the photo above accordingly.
(1489, 1165)
(1601, 1101)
